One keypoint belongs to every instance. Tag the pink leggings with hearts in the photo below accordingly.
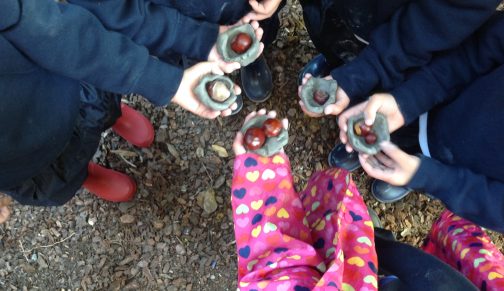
(322, 238)
(319, 239)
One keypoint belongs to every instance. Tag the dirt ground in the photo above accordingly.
(164, 240)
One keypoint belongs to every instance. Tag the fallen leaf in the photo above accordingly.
(221, 152)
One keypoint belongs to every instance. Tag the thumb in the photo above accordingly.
(335, 109)
(392, 151)
(370, 111)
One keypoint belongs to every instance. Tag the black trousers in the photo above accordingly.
(57, 183)
(415, 269)
(224, 12)
(333, 24)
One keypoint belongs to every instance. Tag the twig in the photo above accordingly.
(23, 251)
(127, 162)
(45, 246)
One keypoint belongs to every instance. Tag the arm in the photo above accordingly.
(70, 41)
(157, 27)
(470, 195)
(413, 34)
(449, 73)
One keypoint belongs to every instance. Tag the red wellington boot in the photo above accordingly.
(108, 184)
(134, 127)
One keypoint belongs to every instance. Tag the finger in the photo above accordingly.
(233, 106)
(348, 148)
(258, 7)
(226, 112)
(393, 152)
(261, 49)
(333, 109)
(250, 116)
(371, 170)
(238, 147)
(237, 90)
(343, 136)
(248, 17)
(306, 77)
(215, 69)
(261, 111)
(255, 24)
(370, 110)
(272, 114)
(285, 123)
(385, 160)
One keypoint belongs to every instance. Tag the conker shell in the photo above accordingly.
(254, 138)
(272, 127)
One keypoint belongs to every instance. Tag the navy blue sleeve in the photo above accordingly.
(159, 28)
(449, 73)
(409, 39)
(68, 40)
(470, 195)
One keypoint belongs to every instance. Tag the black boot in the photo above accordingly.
(256, 79)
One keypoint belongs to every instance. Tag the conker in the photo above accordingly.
(361, 129)
(320, 97)
(254, 138)
(272, 127)
(370, 138)
(218, 90)
(241, 43)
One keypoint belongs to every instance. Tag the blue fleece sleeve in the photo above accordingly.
(68, 40)
(408, 40)
(160, 28)
(466, 193)
(449, 73)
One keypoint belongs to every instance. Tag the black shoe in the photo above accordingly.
(256, 80)
(317, 67)
(386, 193)
(239, 102)
(340, 158)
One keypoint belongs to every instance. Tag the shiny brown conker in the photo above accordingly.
(361, 129)
(241, 43)
(320, 97)
(272, 127)
(254, 138)
(218, 90)
(370, 138)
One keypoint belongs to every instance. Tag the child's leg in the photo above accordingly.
(341, 230)
(467, 248)
(278, 246)
(274, 247)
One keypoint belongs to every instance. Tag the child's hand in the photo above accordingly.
(214, 55)
(4, 209)
(238, 147)
(391, 165)
(263, 9)
(342, 100)
(383, 103)
(186, 98)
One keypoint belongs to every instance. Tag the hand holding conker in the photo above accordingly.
(241, 43)
(218, 90)
(254, 138)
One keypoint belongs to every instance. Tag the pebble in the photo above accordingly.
(127, 219)
(206, 200)
(180, 249)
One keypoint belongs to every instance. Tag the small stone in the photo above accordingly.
(125, 206)
(291, 112)
(92, 220)
(206, 200)
(180, 250)
(127, 219)
(158, 224)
